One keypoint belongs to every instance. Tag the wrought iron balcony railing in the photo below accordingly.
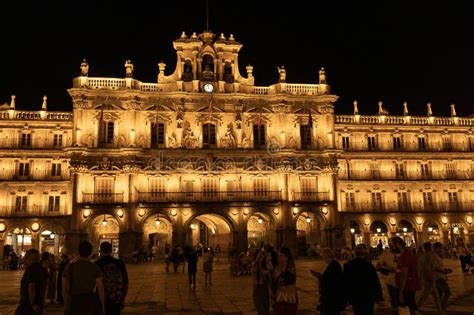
(417, 206)
(311, 196)
(30, 211)
(99, 198)
(209, 196)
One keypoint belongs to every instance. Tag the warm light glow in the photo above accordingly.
(295, 210)
(3, 227)
(405, 229)
(419, 220)
(379, 230)
(104, 222)
(260, 221)
(246, 211)
(120, 213)
(469, 219)
(35, 227)
(86, 213)
(52, 235)
(157, 221)
(192, 226)
(430, 229)
(353, 230)
(455, 229)
(174, 212)
(141, 212)
(444, 219)
(308, 220)
(324, 210)
(367, 221)
(276, 211)
(392, 221)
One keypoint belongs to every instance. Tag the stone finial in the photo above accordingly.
(453, 110)
(183, 35)
(44, 106)
(162, 66)
(84, 68)
(231, 37)
(380, 107)
(12, 102)
(429, 112)
(128, 69)
(356, 109)
(222, 37)
(405, 109)
(194, 36)
(282, 74)
(249, 69)
(322, 76)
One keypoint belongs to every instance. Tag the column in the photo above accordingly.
(240, 240)
(367, 239)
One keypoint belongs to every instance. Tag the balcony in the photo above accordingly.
(214, 196)
(362, 146)
(407, 175)
(312, 196)
(36, 176)
(29, 211)
(35, 144)
(102, 198)
(416, 206)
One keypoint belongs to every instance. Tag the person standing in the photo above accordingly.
(331, 300)
(62, 265)
(115, 277)
(427, 264)
(407, 279)
(207, 264)
(441, 279)
(387, 265)
(33, 285)
(192, 268)
(362, 283)
(80, 279)
(284, 278)
(261, 281)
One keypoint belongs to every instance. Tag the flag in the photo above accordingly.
(310, 120)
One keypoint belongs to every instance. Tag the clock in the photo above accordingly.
(209, 88)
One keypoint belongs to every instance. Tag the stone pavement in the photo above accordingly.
(153, 291)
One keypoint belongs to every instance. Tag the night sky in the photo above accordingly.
(372, 51)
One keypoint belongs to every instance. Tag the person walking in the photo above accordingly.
(441, 279)
(208, 260)
(284, 279)
(115, 278)
(80, 279)
(331, 300)
(62, 265)
(427, 264)
(192, 268)
(33, 285)
(362, 283)
(261, 282)
(407, 279)
(387, 265)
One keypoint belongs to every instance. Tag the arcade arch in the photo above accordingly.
(308, 232)
(260, 228)
(378, 232)
(52, 239)
(104, 228)
(157, 232)
(209, 230)
(19, 239)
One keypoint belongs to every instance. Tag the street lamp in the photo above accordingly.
(405, 229)
(430, 229)
(379, 230)
(157, 221)
(104, 222)
(259, 220)
(308, 219)
(353, 230)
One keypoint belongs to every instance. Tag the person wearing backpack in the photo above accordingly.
(115, 277)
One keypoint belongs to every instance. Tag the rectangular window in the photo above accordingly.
(56, 169)
(308, 186)
(157, 135)
(421, 144)
(210, 187)
(305, 133)
(425, 170)
(156, 185)
(350, 200)
(26, 139)
(399, 170)
(371, 144)
(403, 201)
(453, 197)
(260, 186)
(450, 171)
(21, 203)
(397, 143)
(428, 199)
(58, 140)
(106, 133)
(376, 200)
(208, 135)
(54, 203)
(447, 144)
(345, 142)
(258, 136)
(104, 186)
(24, 169)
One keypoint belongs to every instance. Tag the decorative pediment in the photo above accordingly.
(152, 117)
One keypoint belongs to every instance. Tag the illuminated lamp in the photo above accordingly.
(174, 212)
(353, 230)
(379, 230)
(469, 219)
(104, 221)
(120, 213)
(308, 220)
(141, 212)
(455, 229)
(192, 226)
(3, 227)
(430, 229)
(86, 213)
(444, 219)
(51, 235)
(259, 220)
(157, 221)
(276, 211)
(405, 229)
(35, 227)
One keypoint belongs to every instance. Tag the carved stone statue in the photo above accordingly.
(189, 140)
(84, 68)
(179, 117)
(128, 69)
(322, 76)
(238, 120)
(229, 138)
(282, 73)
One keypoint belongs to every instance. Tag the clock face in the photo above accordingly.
(208, 87)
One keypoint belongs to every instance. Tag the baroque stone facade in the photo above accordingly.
(204, 155)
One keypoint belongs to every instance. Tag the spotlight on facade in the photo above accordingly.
(174, 212)
(295, 210)
(324, 210)
(444, 219)
(141, 212)
(353, 230)
(379, 230)
(276, 211)
(308, 220)
(35, 227)
(3, 227)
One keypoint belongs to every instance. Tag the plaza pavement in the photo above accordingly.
(153, 291)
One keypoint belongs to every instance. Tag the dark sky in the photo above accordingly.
(372, 50)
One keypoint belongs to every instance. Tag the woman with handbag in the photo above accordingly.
(284, 278)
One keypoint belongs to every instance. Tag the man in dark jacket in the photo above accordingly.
(331, 296)
(362, 284)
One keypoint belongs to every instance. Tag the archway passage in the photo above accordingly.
(406, 231)
(19, 240)
(308, 234)
(356, 234)
(432, 232)
(378, 233)
(52, 239)
(209, 230)
(158, 232)
(260, 228)
(105, 228)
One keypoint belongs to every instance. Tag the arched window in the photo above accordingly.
(208, 135)
(259, 136)
(106, 133)
(207, 67)
(157, 135)
(187, 71)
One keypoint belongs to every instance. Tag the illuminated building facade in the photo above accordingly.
(205, 156)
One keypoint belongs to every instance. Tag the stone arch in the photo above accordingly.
(99, 232)
(157, 233)
(261, 227)
(19, 237)
(308, 226)
(432, 231)
(209, 229)
(52, 238)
